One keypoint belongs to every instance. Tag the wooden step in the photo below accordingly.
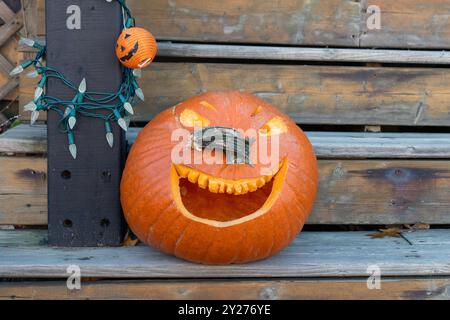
(309, 94)
(313, 254)
(26, 139)
(415, 288)
(339, 23)
(351, 190)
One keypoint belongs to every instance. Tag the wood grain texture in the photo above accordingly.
(350, 191)
(404, 24)
(293, 289)
(309, 94)
(8, 88)
(5, 66)
(312, 254)
(409, 24)
(422, 24)
(25, 139)
(261, 52)
(10, 28)
(23, 190)
(6, 14)
(284, 22)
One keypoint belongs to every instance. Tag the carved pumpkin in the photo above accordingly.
(136, 48)
(218, 213)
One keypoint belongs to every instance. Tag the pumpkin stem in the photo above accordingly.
(228, 140)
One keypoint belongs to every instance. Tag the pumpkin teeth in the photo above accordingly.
(203, 181)
(230, 188)
(219, 185)
(213, 186)
(193, 176)
(252, 186)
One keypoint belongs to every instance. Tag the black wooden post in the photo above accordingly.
(83, 194)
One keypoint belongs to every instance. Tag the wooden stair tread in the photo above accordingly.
(313, 254)
(33, 139)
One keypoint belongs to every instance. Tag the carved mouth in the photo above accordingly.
(223, 202)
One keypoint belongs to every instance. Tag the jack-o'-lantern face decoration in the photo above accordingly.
(218, 213)
(136, 48)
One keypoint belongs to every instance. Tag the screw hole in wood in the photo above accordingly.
(106, 176)
(105, 222)
(67, 223)
(66, 174)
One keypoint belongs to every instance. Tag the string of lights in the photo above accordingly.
(104, 106)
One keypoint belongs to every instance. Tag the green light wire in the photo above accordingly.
(106, 106)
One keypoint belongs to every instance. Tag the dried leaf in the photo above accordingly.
(389, 232)
(418, 226)
(130, 240)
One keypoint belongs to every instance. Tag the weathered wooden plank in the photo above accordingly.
(404, 24)
(194, 50)
(8, 87)
(23, 184)
(6, 14)
(24, 139)
(288, 22)
(5, 65)
(261, 52)
(422, 24)
(14, 5)
(327, 145)
(409, 24)
(9, 29)
(312, 254)
(309, 94)
(350, 191)
(435, 288)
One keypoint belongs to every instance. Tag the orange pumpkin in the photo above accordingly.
(136, 48)
(218, 213)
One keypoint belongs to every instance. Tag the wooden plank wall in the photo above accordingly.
(421, 24)
(325, 289)
(405, 23)
(310, 93)
(350, 191)
(336, 93)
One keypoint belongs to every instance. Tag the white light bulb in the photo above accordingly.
(140, 94)
(82, 86)
(72, 121)
(122, 124)
(26, 41)
(110, 139)
(73, 150)
(137, 73)
(127, 106)
(16, 70)
(32, 74)
(30, 106)
(67, 111)
(38, 92)
(34, 116)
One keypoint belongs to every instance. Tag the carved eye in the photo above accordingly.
(276, 125)
(190, 118)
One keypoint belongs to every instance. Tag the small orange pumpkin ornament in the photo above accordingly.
(136, 48)
(218, 213)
